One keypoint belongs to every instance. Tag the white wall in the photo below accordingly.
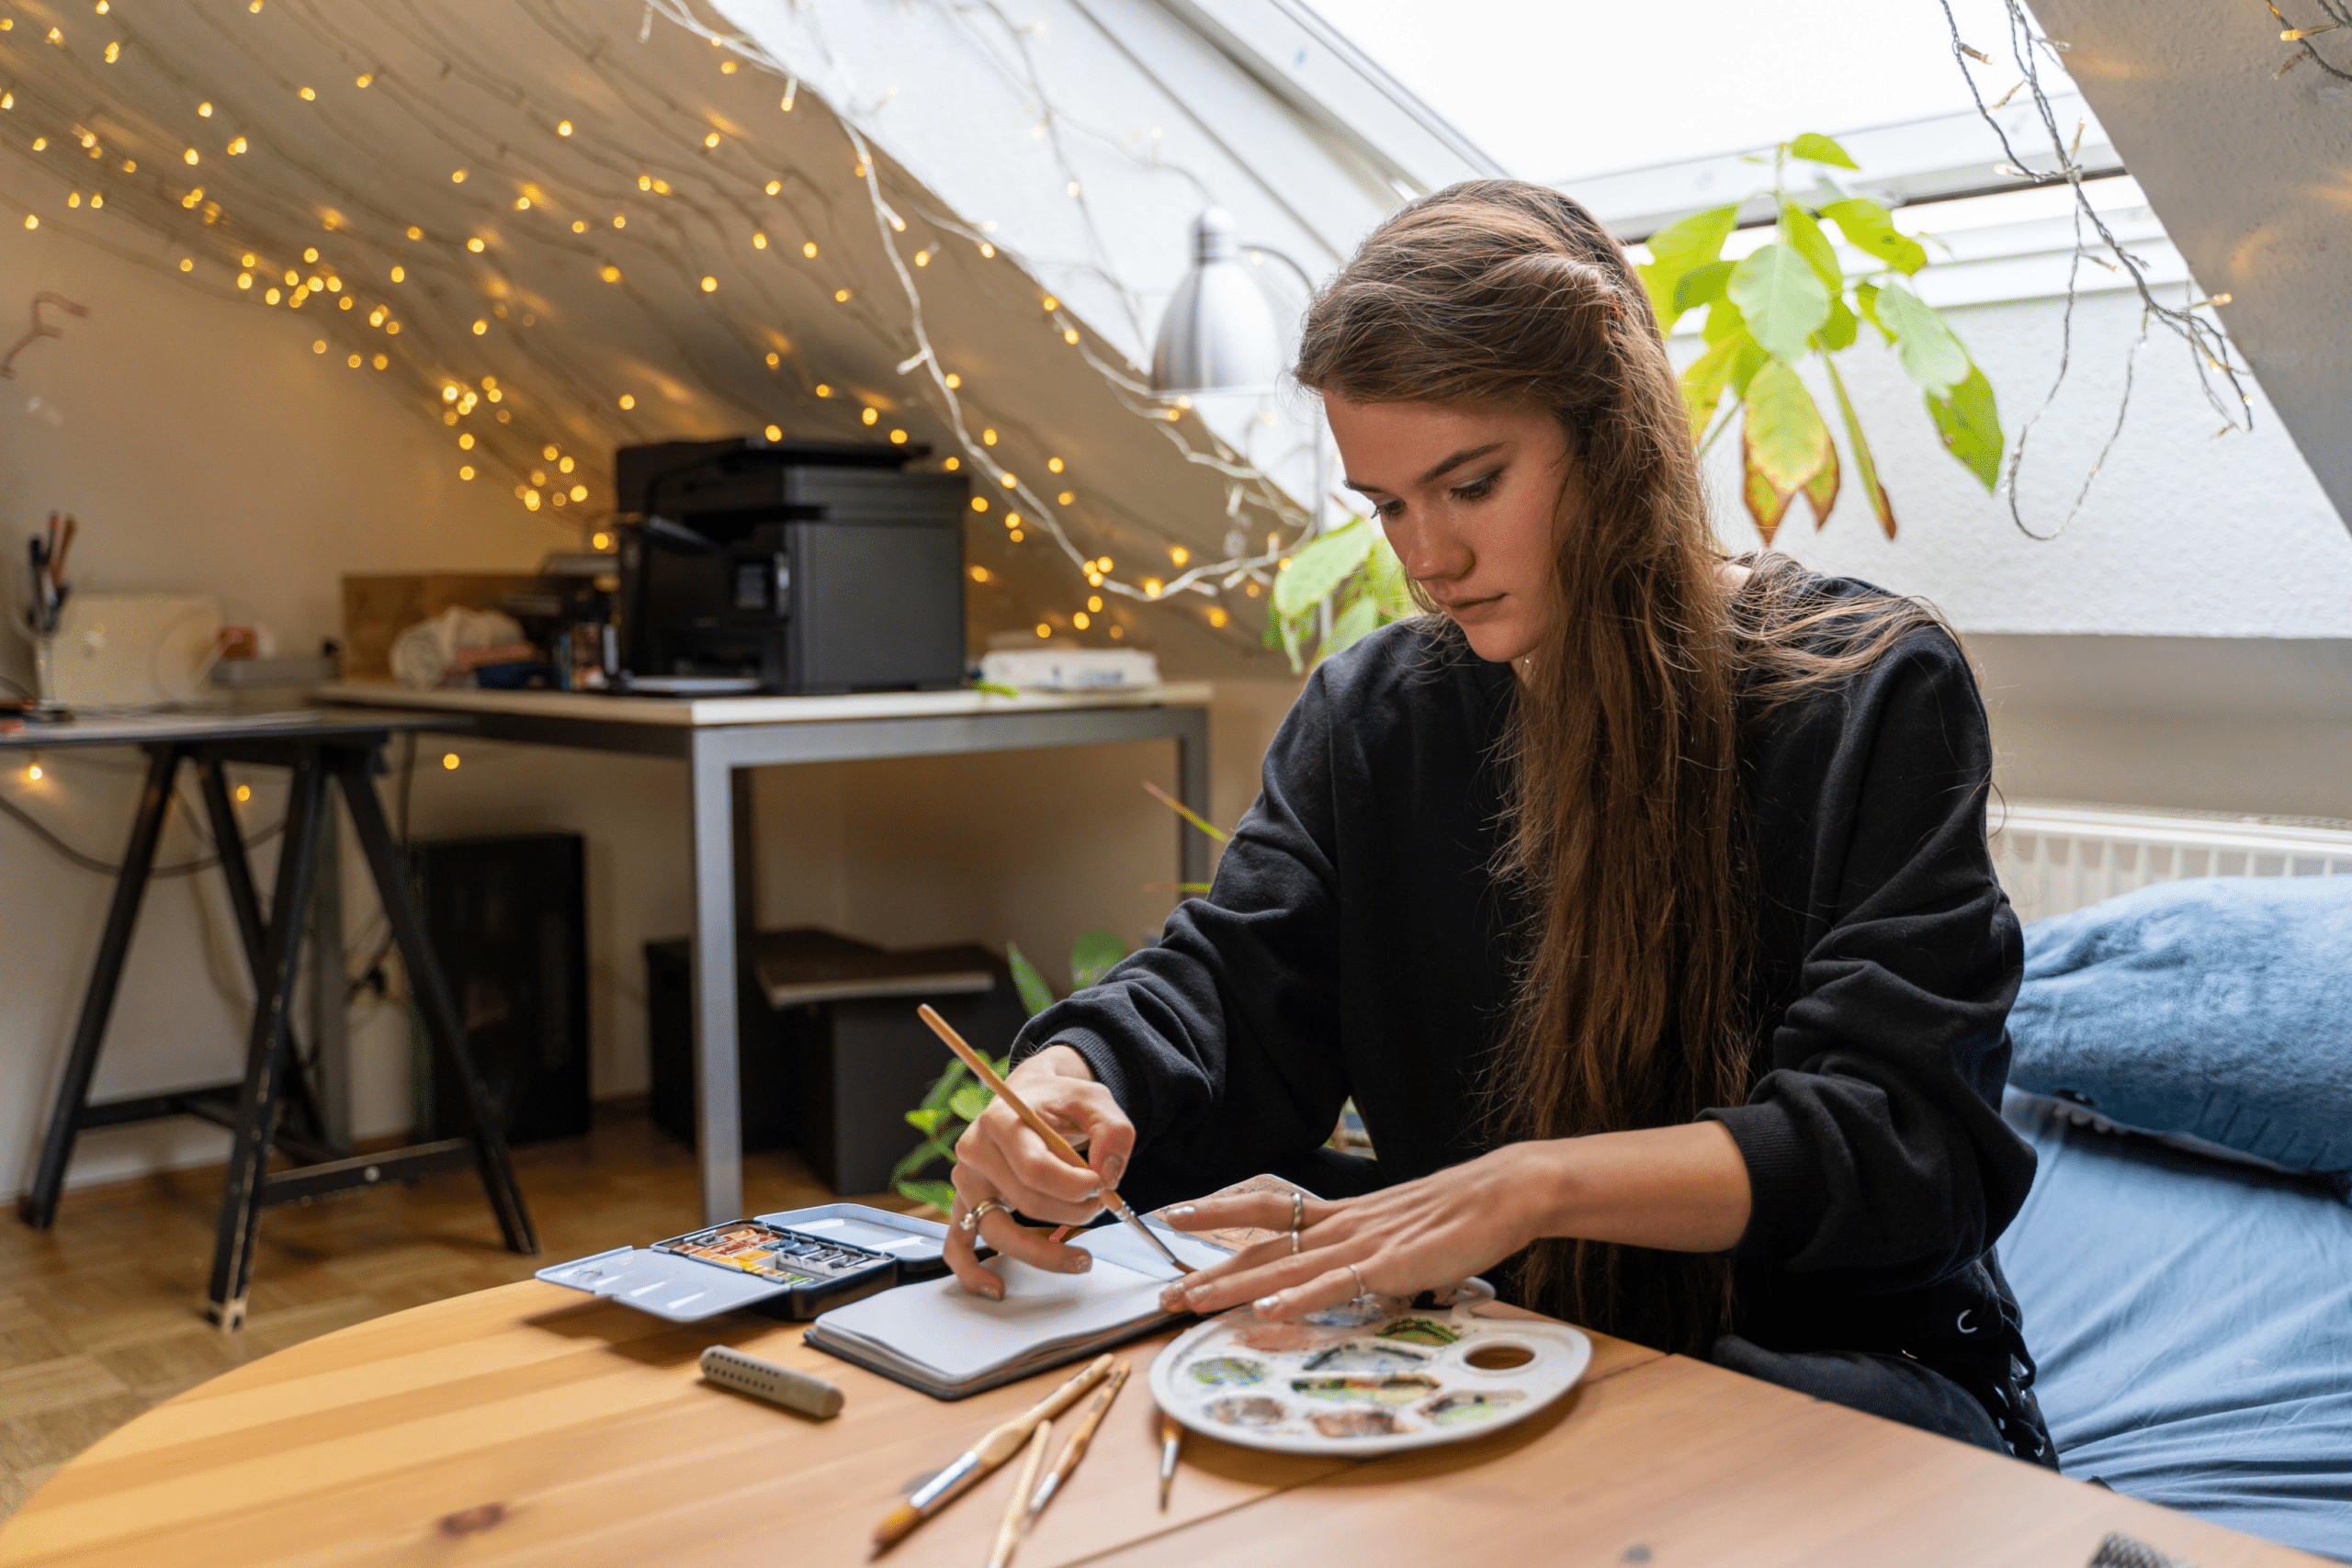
(204, 448)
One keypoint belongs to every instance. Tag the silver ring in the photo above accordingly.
(970, 1223)
(1362, 1290)
(1297, 1212)
(1293, 1244)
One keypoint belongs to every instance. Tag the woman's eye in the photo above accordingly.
(1476, 489)
(1388, 511)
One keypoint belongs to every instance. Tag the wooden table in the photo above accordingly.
(525, 1425)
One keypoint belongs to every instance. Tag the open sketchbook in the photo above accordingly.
(937, 1337)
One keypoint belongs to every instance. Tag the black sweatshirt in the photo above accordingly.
(1356, 943)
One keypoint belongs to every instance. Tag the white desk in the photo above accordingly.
(720, 738)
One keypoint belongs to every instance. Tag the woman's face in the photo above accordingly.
(1468, 497)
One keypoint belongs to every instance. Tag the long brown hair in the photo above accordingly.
(1624, 832)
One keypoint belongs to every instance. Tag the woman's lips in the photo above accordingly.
(1467, 611)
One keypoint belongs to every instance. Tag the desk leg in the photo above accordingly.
(718, 1106)
(265, 1051)
(1192, 789)
(39, 1208)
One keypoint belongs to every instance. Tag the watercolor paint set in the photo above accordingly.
(790, 1265)
(1369, 1378)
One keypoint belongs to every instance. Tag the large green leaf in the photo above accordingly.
(1930, 354)
(1391, 589)
(1679, 247)
(1971, 425)
(1319, 566)
(970, 1100)
(1358, 620)
(1036, 995)
(1724, 321)
(1869, 227)
(1837, 333)
(940, 1195)
(1092, 955)
(1815, 148)
(1702, 284)
(1799, 229)
(1783, 443)
(1865, 465)
(1782, 300)
(1728, 366)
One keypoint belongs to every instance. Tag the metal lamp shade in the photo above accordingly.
(1219, 334)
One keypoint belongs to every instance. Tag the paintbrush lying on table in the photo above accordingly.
(983, 1457)
(1037, 1124)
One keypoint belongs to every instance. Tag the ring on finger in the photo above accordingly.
(970, 1222)
(1362, 1290)
(1298, 1218)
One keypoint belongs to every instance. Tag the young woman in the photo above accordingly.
(1640, 898)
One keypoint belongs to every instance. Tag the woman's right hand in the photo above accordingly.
(999, 1158)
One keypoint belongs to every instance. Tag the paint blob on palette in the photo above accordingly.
(1369, 1378)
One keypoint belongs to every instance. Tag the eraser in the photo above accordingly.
(808, 1394)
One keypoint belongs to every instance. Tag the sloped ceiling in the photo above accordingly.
(2251, 171)
(604, 211)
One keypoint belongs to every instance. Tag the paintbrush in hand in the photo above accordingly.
(1037, 1124)
(983, 1457)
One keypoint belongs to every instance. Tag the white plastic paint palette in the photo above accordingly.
(1370, 1378)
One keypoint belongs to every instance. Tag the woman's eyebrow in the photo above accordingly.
(1455, 461)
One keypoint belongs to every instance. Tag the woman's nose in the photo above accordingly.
(1432, 553)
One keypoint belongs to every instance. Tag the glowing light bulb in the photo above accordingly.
(952, 464)
(1079, 621)
(190, 155)
(353, 362)
(627, 401)
(365, 79)
(1007, 481)
(480, 327)
(620, 220)
(987, 437)
(1217, 617)
(979, 574)
(979, 504)
(187, 265)
(987, 251)
(1104, 565)
(1066, 497)
(563, 128)
(319, 346)
(808, 249)
(823, 390)
(475, 244)
(841, 296)
(710, 285)
(711, 140)
(1053, 465)
(611, 273)
(1045, 630)
(450, 760)
(244, 794)
(33, 773)
(466, 441)
(204, 109)
(897, 439)
(563, 465)
(1179, 554)
(600, 541)
(400, 274)
(380, 362)
(867, 416)
(775, 359)
(309, 95)
(457, 177)
(466, 471)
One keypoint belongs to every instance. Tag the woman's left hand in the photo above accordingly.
(1397, 1242)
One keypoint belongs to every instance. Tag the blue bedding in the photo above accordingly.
(2193, 1324)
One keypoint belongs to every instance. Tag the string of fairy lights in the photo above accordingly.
(691, 192)
(2210, 348)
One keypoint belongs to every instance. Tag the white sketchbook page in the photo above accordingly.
(940, 1326)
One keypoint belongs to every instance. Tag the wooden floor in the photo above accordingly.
(100, 1316)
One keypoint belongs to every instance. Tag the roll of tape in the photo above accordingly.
(810, 1395)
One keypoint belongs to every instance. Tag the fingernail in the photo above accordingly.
(1180, 1209)
(1172, 1299)
(1079, 1264)
(1267, 1304)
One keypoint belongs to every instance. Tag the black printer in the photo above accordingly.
(791, 567)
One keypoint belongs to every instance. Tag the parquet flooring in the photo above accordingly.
(100, 1316)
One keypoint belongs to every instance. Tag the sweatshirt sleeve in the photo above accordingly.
(1220, 1042)
(1873, 1143)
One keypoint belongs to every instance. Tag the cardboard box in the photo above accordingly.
(378, 609)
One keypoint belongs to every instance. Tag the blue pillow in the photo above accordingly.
(2220, 1008)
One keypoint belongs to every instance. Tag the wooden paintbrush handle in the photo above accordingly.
(988, 1075)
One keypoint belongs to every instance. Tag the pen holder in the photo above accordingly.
(45, 670)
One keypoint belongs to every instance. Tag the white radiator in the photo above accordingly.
(2053, 856)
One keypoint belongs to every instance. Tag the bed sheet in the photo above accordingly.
(2193, 1324)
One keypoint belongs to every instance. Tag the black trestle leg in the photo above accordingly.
(432, 993)
(39, 1208)
(228, 841)
(241, 1192)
